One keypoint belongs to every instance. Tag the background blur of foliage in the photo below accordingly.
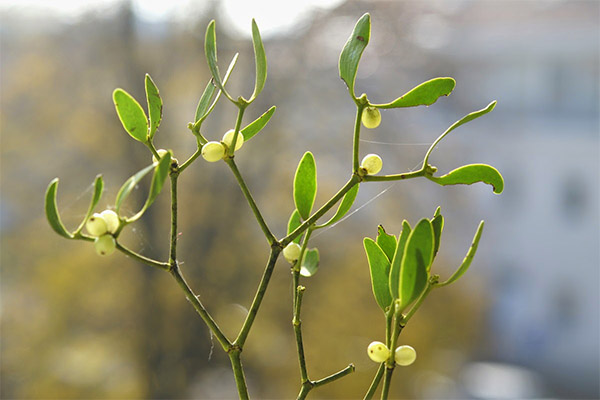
(75, 325)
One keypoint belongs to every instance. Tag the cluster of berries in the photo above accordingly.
(215, 151)
(372, 163)
(404, 355)
(102, 226)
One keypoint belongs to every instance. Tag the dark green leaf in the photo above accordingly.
(397, 260)
(310, 263)
(260, 59)
(416, 261)
(202, 110)
(425, 94)
(155, 105)
(294, 222)
(472, 173)
(353, 49)
(379, 266)
(129, 185)
(344, 207)
(305, 185)
(52, 211)
(98, 188)
(438, 226)
(387, 242)
(468, 258)
(257, 125)
(131, 114)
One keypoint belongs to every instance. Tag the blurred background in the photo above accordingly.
(523, 323)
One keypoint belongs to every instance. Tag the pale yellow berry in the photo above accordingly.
(228, 139)
(378, 352)
(112, 220)
(372, 164)
(96, 225)
(292, 252)
(371, 117)
(161, 153)
(405, 355)
(213, 151)
(105, 245)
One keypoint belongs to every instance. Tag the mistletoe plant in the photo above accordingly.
(400, 266)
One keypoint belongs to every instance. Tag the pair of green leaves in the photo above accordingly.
(260, 58)
(132, 115)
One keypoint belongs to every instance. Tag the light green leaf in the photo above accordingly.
(310, 263)
(387, 242)
(129, 185)
(437, 212)
(203, 110)
(397, 260)
(353, 49)
(379, 266)
(468, 258)
(210, 50)
(294, 222)
(260, 59)
(344, 207)
(416, 261)
(472, 173)
(98, 188)
(161, 171)
(305, 185)
(131, 114)
(257, 125)
(437, 222)
(52, 211)
(425, 94)
(155, 105)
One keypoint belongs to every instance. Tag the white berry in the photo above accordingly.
(228, 139)
(405, 355)
(112, 220)
(372, 164)
(378, 352)
(96, 225)
(292, 252)
(213, 151)
(105, 245)
(371, 117)
(161, 153)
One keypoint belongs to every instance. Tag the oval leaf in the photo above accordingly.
(472, 173)
(344, 207)
(425, 94)
(52, 211)
(161, 171)
(129, 185)
(468, 258)
(387, 242)
(260, 60)
(202, 110)
(379, 266)
(397, 260)
(294, 222)
(131, 114)
(353, 49)
(416, 261)
(310, 263)
(438, 226)
(305, 185)
(257, 125)
(98, 188)
(155, 105)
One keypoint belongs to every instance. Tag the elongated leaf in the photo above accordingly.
(425, 94)
(131, 114)
(258, 124)
(472, 173)
(353, 49)
(203, 109)
(260, 59)
(155, 105)
(52, 211)
(98, 188)
(437, 212)
(294, 222)
(344, 207)
(397, 260)
(416, 261)
(379, 266)
(210, 50)
(468, 258)
(161, 171)
(438, 226)
(310, 263)
(387, 242)
(305, 185)
(129, 185)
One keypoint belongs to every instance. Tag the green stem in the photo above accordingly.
(430, 285)
(356, 142)
(375, 383)
(141, 258)
(152, 149)
(298, 292)
(173, 247)
(304, 389)
(386, 381)
(238, 373)
(191, 159)
(238, 125)
(395, 177)
(331, 378)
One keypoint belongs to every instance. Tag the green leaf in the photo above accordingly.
(155, 105)
(437, 212)
(129, 185)
(52, 211)
(210, 50)
(353, 49)
(294, 222)
(397, 260)
(257, 125)
(161, 171)
(387, 242)
(468, 258)
(98, 188)
(260, 59)
(437, 222)
(344, 206)
(310, 263)
(131, 114)
(305, 185)
(472, 173)
(425, 94)
(203, 109)
(379, 266)
(416, 261)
